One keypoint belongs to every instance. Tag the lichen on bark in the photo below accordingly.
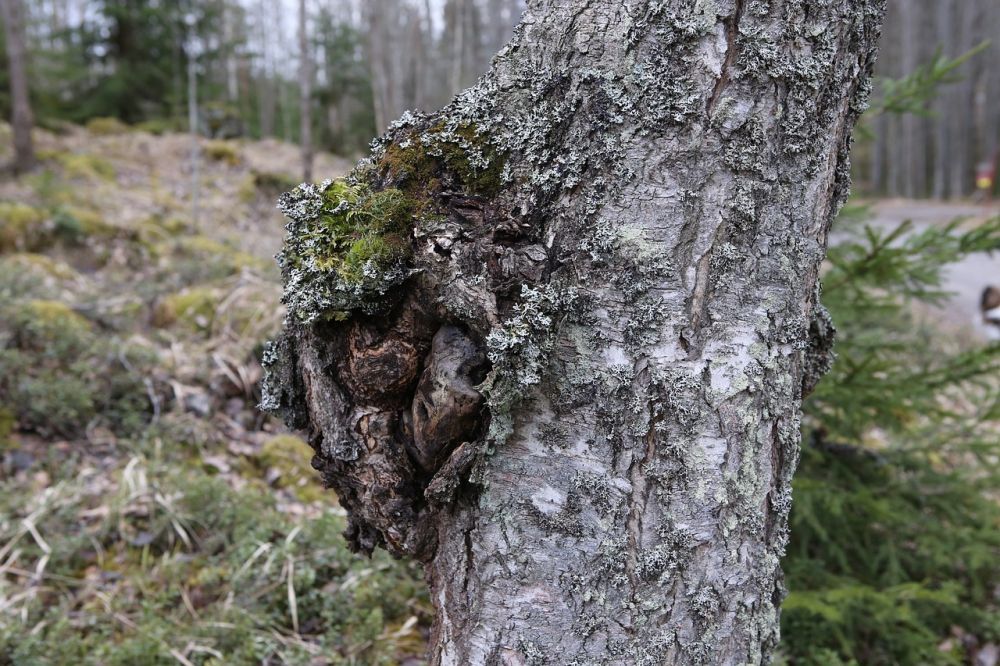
(577, 402)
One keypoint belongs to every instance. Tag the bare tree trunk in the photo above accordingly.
(960, 115)
(945, 15)
(229, 41)
(192, 97)
(267, 96)
(305, 94)
(374, 15)
(21, 116)
(573, 389)
(458, 47)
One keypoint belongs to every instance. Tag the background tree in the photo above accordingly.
(553, 339)
(305, 93)
(21, 117)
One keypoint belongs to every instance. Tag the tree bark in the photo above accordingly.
(22, 119)
(575, 395)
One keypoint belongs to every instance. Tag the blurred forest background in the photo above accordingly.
(367, 61)
(149, 514)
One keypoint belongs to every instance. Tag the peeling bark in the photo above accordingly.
(574, 395)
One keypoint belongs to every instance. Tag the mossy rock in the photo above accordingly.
(44, 267)
(225, 152)
(290, 458)
(80, 165)
(103, 126)
(21, 226)
(48, 324)
(193, 308)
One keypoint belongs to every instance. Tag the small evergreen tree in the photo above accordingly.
(895, 543)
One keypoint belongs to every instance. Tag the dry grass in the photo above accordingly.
(166, 521)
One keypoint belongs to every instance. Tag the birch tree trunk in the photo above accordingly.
(21, 117)
(561, 360)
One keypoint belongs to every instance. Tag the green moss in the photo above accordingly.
(206, 257)
(20, 224)
(44, 266)
(42, 322)
(270, 184)
(222, 151)
(158, 126)
(75, 225)
(460, 152)
(347, 247)
(80, 165)
(290, 458)
(106, 126)
(194, 308)
(57, 375)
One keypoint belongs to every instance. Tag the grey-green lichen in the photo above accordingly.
(347, 248)
(519, 351)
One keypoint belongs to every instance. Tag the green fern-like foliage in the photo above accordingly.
(896, 524)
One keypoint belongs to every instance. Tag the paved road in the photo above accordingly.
(966, 278)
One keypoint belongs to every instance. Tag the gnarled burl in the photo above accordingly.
(552, 340)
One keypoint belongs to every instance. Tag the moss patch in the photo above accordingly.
(287, 459)
(80, 165)
(347, 246)
(57, 375)
(460, 153)
(194, 308)
(20, 224)
(106, 126)
(225, 152)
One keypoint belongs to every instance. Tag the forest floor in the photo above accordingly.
(148, 513)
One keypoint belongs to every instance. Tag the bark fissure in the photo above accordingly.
(732, 28)
(638, 499)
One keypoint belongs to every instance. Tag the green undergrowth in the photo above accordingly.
(170, 522)
(150, 564)
(59, 375)
(895, 525)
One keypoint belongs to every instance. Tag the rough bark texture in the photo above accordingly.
(568, 371)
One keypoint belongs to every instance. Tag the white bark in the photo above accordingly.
(643, 286)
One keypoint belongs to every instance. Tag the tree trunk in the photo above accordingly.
(567, 377)
(944, 19)
(21, 116)
(305, 94)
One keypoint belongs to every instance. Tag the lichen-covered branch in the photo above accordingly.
(552, 339)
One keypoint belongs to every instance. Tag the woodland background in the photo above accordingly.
(149, 514)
